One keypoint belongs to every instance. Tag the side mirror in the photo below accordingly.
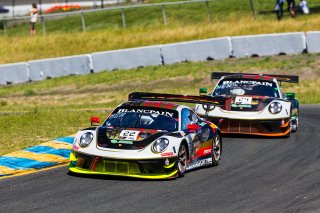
(95, 121)
(193, 127)
(203, 91)
(289, 95)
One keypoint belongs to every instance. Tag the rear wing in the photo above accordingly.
(222, 102)
(281, 78)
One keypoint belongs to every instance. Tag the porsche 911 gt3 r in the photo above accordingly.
(149, 137)
(258, 106)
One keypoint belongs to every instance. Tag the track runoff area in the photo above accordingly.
(254, 175)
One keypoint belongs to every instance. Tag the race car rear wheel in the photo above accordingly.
(295, 124)
(216, 149)
(182, 160)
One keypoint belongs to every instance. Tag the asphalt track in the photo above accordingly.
(255, 175)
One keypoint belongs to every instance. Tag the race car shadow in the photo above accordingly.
(114, 177)
(253, 136)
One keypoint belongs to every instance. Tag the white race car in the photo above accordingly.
(149, 137)
(258, 107)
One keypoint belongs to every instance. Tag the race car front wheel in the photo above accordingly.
(216, 150)
(182, 160)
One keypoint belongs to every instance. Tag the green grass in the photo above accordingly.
(35, 112)
(145, 27)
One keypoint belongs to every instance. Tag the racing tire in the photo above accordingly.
(295, 124)
(182, 160)
(216, 149)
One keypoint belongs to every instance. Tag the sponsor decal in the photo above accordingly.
(243, 100)
(241, 105)
(167, 154)
(121, 141)
(147, 111)
(129, 135)
(112, 134)
(264, 83)
(207, 151)
(75, 147)
(199, 163)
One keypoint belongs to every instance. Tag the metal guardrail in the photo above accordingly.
(44, 17)
(110, 8)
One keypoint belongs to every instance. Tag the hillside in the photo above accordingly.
(145, 26)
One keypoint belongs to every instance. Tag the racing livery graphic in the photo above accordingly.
(258, 107)
(149, 136)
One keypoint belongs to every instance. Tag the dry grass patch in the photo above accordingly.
(64, 44)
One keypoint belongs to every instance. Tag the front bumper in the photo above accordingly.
(276, 128)
(149, 169)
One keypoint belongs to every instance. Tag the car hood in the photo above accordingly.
(126, 138)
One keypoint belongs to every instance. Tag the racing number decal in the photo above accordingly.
(243, 100)
(129, 134)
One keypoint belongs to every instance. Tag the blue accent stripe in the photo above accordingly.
(49, 150)
(23, 163)
(66, 139)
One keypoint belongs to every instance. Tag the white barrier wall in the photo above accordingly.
(313, 42)
(270, 44)
(14, 73)
(201, 50)
(126, 58)
(57, 67)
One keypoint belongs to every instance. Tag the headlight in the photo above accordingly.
(275, 108)
(86, 139)
(160, 145)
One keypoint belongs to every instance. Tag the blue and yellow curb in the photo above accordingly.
(36, 158)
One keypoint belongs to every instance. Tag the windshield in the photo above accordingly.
(146, 118)
(238, 86)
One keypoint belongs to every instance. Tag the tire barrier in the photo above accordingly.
(201, 50)
(126, 58)
(270, 44)
(57, 67)
(313, 42)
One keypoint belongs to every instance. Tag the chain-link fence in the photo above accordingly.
(158, 12)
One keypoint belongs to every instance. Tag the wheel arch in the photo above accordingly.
(187, 147)
(218, 131)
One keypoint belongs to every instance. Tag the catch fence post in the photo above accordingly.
(164, 15)
(208, 11)
(83, 21)
(123, 18)
(43, 25)
(4, 24)
(252, 8)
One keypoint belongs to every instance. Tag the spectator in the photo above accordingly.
(33, 18)
(292, 7)
(279, 9)
(304, 7)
